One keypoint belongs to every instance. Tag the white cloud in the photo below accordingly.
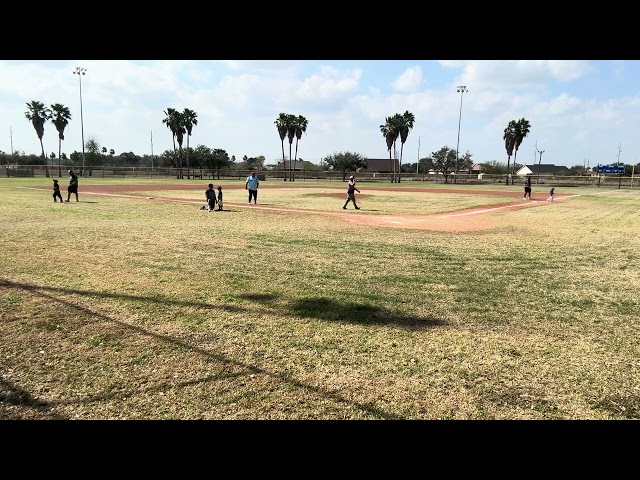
(345, 103)
(409, 80)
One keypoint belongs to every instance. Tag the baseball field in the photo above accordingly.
(447, 302)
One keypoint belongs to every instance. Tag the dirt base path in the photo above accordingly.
(459, 221)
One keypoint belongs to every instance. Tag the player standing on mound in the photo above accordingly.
(351, 196)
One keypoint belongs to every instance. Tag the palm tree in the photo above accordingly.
(173, 123)
(301, 127)
(391, 132)
(281, 125)
(509, 138)
(38, 114)
(180, 133)
(521, 130)
(389, 135)
(190, 120)
(292, 125)
(406, 125)
(60, 117)
(112, 152)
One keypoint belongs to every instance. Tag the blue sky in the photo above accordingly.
(581, 111)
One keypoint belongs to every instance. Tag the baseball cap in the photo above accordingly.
(351, 177)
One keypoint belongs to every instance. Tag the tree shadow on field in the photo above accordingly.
(258, 297)
(28, 406)
(329, 310)
(117, 296)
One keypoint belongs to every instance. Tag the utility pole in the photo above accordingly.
(418, 164)
(540, 152)
(151, 153)
(11, 137)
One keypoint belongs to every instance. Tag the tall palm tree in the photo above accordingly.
(292, 123)
(521, 129)
(389, 135)
(301, 127)
(180, 133)
(173, 122)
(509, 138)
(60, 116)
(38, 114)
(406, 125)
(190, 120)
(281, 125)
(390, 131)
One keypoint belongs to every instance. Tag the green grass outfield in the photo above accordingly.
(121, 308)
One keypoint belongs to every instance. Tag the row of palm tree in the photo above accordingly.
(180, 124)
(397, 126)
(513, 136)
(291, 126)
(38, 114)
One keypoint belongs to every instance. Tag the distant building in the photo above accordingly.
(543, 169)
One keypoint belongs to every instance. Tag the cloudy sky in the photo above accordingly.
(581, 112)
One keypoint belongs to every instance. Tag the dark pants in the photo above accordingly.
(527, 192)
(72, 189)
(254, 194)
(351, 197)
(56, 194)
(211, 203)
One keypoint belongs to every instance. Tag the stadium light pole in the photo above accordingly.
(619, 175)
(80, 71)
(462, 89)
(539, 163)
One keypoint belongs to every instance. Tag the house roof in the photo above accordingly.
(546, 168)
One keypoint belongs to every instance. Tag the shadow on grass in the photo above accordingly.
(13, 396)
(258, 297)
(22, 398)
(118, 296)
(365, 314)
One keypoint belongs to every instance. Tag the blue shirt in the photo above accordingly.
(252, 182)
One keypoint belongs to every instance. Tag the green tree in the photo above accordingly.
(405, 125)
(220, 159)
(301, 125)
(281, 125)
(493, 167)
(92, 148)
(425, 164)
(345, 162)
(444, 161)
(189, 120)
(38, 115)
(60, 116)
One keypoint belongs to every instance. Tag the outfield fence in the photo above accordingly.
(599, 181)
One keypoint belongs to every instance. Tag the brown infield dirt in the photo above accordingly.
(458, 221)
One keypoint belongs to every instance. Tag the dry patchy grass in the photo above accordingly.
(122, 309)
